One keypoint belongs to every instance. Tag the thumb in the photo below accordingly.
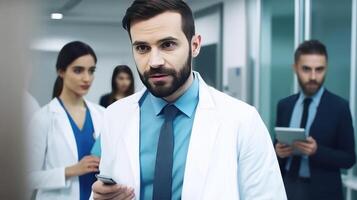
(310, 139)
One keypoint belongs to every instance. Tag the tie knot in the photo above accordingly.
(307, 101)
(170, 111)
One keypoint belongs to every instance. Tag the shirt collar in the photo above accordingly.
(315, 98)
(186, 103)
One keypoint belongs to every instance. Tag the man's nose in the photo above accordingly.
(313, 75)
(156, 59)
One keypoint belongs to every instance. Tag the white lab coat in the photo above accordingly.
(230, 154)
(52, 147)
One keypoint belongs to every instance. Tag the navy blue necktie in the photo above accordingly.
(296, 161)
(164, 157)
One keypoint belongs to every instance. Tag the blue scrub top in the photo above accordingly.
(85, 141)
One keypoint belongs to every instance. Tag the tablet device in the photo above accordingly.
(289, 135)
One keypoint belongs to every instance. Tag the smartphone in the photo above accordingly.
(105, 179)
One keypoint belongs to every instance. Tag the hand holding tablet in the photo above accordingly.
(290, 135)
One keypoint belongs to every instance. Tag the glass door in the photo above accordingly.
(277, 49)
(331, 24)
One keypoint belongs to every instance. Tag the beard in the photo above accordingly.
(161, 89)
(310, 91)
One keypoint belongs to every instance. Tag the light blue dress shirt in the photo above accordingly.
(151, 121)
(295, 123)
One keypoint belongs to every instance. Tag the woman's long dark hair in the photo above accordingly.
(117, 70)
(69, 53)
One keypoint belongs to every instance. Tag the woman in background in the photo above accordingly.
(122, 85)
(63, 132)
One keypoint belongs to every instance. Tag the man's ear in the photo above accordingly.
(295, 67)
(196, 45)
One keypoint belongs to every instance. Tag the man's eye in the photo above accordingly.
(142, 48)
(169, 45)
(320, 70)
(306, 69)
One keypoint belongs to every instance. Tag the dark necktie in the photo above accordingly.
(296, 161)
(164, 156)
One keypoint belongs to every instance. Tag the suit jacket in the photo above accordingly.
(332, 129)
(229, 156)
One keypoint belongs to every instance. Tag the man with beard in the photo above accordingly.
(329, 147)
(179, 138)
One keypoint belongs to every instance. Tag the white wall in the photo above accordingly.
(234, 41)
(207, 28)
(234, 36)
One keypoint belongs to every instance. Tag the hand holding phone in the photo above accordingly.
(111, 190)
(105, 179)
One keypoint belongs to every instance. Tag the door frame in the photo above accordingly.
(213, 9)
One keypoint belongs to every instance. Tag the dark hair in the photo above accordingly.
(310, 47)
(118, 70)
(69, 53)
(146, 9)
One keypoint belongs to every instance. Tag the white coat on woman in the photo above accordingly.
(52, 147)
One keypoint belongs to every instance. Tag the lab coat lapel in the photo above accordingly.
(131, 136)
(62, 123)
(203, 136)
(96, 118)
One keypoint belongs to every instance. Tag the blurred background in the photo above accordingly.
(247, 51)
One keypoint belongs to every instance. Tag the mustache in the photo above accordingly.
(160, 70)
(312, 83)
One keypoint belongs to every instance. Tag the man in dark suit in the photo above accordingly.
(314, 174)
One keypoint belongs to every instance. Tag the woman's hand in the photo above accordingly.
(87, 164)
